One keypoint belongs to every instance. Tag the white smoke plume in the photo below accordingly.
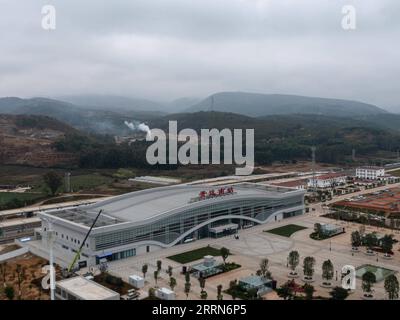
(136, 125)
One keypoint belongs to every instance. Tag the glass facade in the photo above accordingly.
(168, 229)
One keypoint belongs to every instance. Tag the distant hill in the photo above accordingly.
(112, 103)
(29, 140)
(84, 118)
(181, 104)
(289, 137)
(255, 104)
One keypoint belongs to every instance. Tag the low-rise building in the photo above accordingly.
(262, 285)
(297, 184)
(165, 294)
(330, 230)
(13, 229)
(329, 180)
(80, 288)
(370, 172)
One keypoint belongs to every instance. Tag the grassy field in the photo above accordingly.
(7, 198)
(286, 231)
(194, 255)
(89, 181)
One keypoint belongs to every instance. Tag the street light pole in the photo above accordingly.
(50, 243)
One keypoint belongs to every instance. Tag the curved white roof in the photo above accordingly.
(145, 204)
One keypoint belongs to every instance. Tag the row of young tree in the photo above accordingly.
(370, 240)
(368, 279)
(173, 282)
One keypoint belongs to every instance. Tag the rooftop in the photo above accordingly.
(383, 201)
(331, 175)
(291, 184)
(86, 289)
(254, 281)
(146, 204)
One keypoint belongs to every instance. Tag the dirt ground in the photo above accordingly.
(31, 288)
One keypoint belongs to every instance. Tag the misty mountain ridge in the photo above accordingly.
(258, 104)
(103, 117)
(112, 102)
(83, 118)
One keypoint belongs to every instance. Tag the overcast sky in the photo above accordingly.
(166, 49)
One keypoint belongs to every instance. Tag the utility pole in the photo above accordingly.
(50, 243)
(67, 181)
(313, 148)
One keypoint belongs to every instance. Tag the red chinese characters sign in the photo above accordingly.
(215, 193)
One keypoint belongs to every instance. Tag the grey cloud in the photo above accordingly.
(164, 49)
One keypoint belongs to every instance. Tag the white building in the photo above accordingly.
(328, 180)
(80, 288)
(148, 220)
(370, 172)
(136, 281)
(165, 294)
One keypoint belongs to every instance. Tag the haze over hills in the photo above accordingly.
(256, 104)
(106, 114)
(112, 102)
(84, 118)
(289, 137)
(121, 103)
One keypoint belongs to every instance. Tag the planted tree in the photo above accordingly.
(224, 253)
(152, 293)
(155, 276)
(339, 293)
(293, 261)
(20, 275)
(368, 280)
(309, 291)
(263, 271)
(392, 287)
(172, 283)
(187, 289)
(370, 240)
(308, 267)
(327, 271)
(318, 230)
(145, 268)
(187, 277)
(159, 265)
(202, 283)
(285, 291)
(219, 292)
(9, 292)
(387, 244)
(169, 271)
(53, 181)
(203, 295)
(355, 239)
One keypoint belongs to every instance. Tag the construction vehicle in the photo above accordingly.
(78, 253)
